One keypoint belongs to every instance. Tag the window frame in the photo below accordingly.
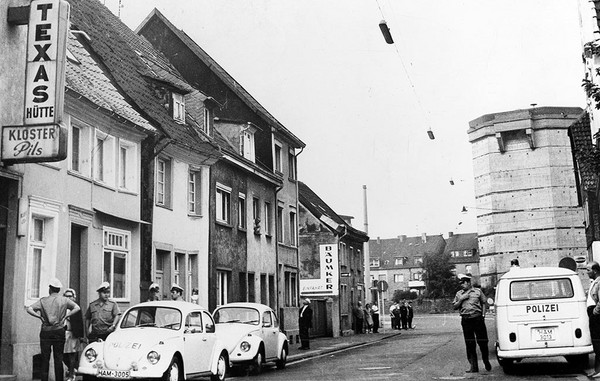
(104, 166)
(268, 218)
(277, 157)
(131, 166)
(112, 249)
(194, 196)
(223, 204)
(167, 181)
(242, 212)
(178, 106)
(293, 228)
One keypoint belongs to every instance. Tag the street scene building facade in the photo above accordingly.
(331, 264)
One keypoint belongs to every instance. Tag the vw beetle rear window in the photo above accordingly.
(541, 289)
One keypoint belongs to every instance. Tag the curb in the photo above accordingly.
(319, 352)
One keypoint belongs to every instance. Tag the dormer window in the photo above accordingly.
(206, 126)
(247, 142)
(178, 108)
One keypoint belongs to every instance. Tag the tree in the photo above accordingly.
(438, 275)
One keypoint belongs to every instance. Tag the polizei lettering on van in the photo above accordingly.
(536, 308)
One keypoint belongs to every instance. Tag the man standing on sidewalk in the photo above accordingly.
(305, 323)
(470, 301)
(593, 311)
(53, 310)
(102, 315)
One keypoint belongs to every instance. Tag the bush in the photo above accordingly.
(400, 295)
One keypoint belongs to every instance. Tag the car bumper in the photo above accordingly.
(545, 352)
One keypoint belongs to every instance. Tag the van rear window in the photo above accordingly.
(541, 289)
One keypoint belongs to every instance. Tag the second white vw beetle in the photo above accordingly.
(168, 340)
(252, 335)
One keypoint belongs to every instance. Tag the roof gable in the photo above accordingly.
(226, 78)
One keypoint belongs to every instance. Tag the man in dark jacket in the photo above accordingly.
(404, 315)
(305, 323)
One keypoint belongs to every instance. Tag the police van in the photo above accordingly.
(541, 312)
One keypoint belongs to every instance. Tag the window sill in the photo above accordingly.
(242, 229)
(223, 224)
(286, 245)
(164, 207)
(127, 191)
(104, 185)
(79, 175)
(194, 216)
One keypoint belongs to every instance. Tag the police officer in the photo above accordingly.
(102, 314)
(177, 292)
(470, 301)
(53, 310)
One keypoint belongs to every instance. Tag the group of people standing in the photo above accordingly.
(65, 330)
(366, 319)
(402, 315)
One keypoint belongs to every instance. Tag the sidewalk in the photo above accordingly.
(322, 345)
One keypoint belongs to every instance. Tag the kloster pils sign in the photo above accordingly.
(42, 137)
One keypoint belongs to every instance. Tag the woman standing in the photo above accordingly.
(368, 317)
(73, 337)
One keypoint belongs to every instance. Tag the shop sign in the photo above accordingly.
(31, 144)
(46, 61)
(326, 281)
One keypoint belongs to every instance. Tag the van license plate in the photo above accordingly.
(544, 334)
(122, 374)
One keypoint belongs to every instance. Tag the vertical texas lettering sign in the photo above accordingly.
(42, 137)
(327, 282)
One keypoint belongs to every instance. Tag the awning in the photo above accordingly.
(121, 217)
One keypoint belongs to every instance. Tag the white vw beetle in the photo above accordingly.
(169, 340)
(251, 334)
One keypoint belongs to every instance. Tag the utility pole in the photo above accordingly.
(367, 260)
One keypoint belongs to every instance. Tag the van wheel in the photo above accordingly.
(506, 364)
(578, 361)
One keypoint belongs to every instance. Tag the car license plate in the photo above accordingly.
(544, 334)
(109, 373)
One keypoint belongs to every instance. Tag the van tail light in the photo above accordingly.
(578, 333)
(512, 337)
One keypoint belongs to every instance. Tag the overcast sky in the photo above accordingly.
(363, 107)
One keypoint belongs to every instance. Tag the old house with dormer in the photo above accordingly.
(275, 148)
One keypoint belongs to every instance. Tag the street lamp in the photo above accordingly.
(386, 32)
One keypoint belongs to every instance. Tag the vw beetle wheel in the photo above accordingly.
(282, 358)
(173, 371)
(221, 369)
(258, 362)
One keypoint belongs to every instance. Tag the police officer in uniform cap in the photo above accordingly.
(154, 291)
(177, 292)
(102, 314)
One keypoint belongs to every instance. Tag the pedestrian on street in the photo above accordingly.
(53, 310)
(375, 314)
(359, 317)
(470, 302)
(395, 312)
(154, 292)
(593, 311)
(305, 323)
(368, 318)
(410, 315)
(177, 293)
(404, 314)
(74, 337)
(102, 315)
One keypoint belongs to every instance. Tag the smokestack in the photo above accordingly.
(378, 240)
(401, 238)
(450, 234)
(424, 237)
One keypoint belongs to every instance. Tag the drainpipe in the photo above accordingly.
(297, 220)
(277, 189)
